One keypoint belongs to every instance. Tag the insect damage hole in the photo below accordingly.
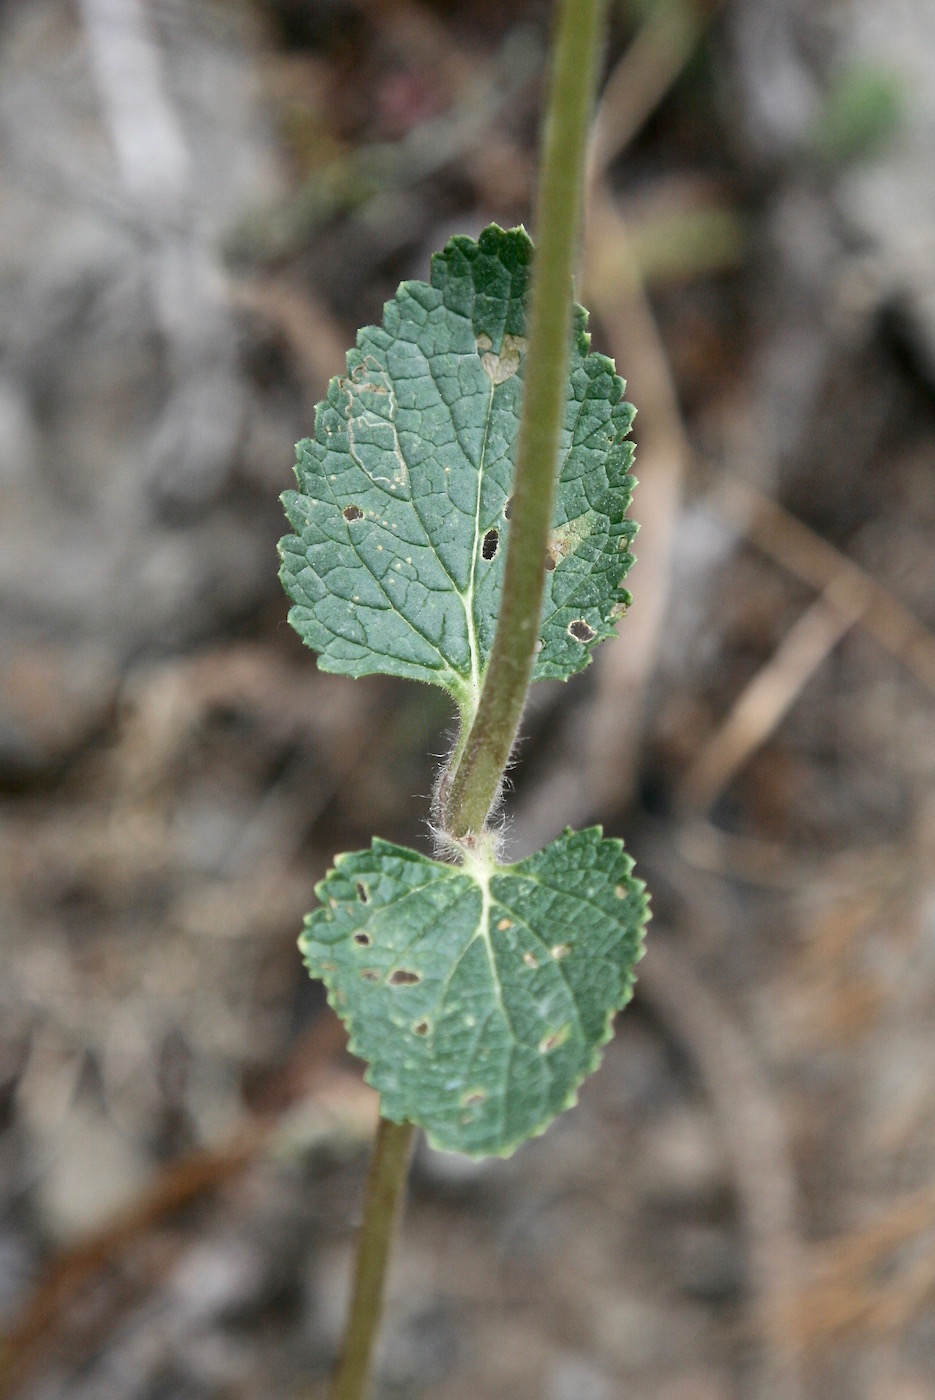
(352, 513)
(581, 630)
(402, 977)
(491, 544)
(508, 507)
(363, 894)
(421, 1028)
(363, 940)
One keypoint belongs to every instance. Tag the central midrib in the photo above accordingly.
(468, 597)
(483, 931)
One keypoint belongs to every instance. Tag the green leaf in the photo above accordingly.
(402, 515)
(480, 995)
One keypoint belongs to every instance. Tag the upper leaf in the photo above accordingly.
(480, 995)
(402, 514)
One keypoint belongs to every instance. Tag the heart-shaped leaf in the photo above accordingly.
(481, 994)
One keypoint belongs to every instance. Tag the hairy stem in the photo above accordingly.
(486, 751)
(385, 1182)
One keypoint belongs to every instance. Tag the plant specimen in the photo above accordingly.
(461, 520)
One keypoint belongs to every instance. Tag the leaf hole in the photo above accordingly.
(504, 924)
(490, 544)
(530, 960)
(561, 950)
(402, 977)
(508, 508)
(352, 513)
(363, 939)
(620, 892)
(550, 563)
(422, 1028)
(581, 630)
(363, 894)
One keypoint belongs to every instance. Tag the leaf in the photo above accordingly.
(480, 995)
(402, 515)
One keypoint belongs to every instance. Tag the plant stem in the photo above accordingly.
(485, 754)
(384, 1194)
(486, 750)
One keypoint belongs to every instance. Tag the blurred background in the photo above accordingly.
(200, 202)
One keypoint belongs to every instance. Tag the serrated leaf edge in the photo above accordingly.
(483, 871)
(465, 688)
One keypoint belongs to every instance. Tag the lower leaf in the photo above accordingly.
(480, 995)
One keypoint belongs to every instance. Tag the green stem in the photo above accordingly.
(485, 754)
(384, 1194)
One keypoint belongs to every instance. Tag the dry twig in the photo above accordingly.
(769, 696)
(848, 596)
(805, 554)
(852, 1285)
